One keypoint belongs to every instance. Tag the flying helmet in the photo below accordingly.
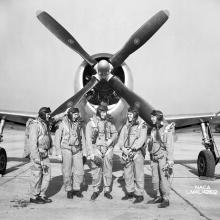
(135, 112)
(101, 108)
(158, 114)
(43, 111)
(71, 111)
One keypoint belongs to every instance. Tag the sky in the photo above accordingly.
(177, 70)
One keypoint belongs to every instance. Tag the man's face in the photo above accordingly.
(103, 115)
(47, 116)
(154, 119)
(130, 116)
(75, 116)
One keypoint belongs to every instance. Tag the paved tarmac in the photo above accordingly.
(191, 197)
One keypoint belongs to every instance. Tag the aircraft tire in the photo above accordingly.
(3, 161)
(206, 163)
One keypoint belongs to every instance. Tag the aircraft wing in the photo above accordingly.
(185, 120)
(17, 116)
(181, 120)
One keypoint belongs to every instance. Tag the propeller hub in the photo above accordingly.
(104, 68)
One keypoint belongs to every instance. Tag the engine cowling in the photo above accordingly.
(103, 92)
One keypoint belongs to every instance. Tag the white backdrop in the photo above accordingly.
(177, 71)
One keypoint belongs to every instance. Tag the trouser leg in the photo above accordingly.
(46, 177)
(35, 180)
(155, 177)
(129, 177)
(78, 171)
(139, 174)
(96, 177)
(67, 169)
(107, 170)
(164, 180)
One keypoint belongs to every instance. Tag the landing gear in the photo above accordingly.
(208, 158)
(3, 161)
(206, 163)
(3, 155)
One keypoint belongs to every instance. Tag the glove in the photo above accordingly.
(90, 157)
(168, 168)
(66, 112)
(60, 158)
(133, 147)
(45, 168)
(98, 161)
(103, 149)
(125, 151)
(170, 163)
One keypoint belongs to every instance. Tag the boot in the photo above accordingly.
(128, 196)
(78, 193)
(94, 195)
(37, 200)
(46, 199)
(138, 199)
(158, 199)
(69, 194)
(164, 204)
(108, 195)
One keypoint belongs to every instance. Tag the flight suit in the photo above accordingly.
(40, 143)
(70, 142)
(134, 136)
(100, 137)
(161, 146)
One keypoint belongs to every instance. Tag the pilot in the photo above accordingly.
(71, 150)
(40, 144)
(132, 143)
(100, 136)
(160, 146)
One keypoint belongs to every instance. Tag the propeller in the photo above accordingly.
(140, 37)
(61, 33)
(132, 99)
(74, 100)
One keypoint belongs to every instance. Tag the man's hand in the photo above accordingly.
(170, 163)
(37, 161)
(108, 142)
(66, 112)
(90, 157)
(133, 147)
(60, 158)
(125, 150)
(45, 168)
(103, 149)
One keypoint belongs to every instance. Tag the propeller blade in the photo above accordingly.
(74, 100)
(60, 32)
(141, 36)
(132, 99)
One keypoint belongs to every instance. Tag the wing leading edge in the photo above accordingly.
(17, 116)
(185, 120)
(181, 120)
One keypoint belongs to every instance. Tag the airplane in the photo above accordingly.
(106, 77)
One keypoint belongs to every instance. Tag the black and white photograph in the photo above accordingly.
(109, 110)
